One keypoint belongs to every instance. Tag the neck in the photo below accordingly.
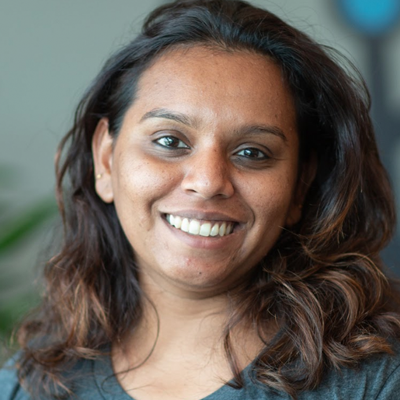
(178, 322)
(179, 339)
(173, 322)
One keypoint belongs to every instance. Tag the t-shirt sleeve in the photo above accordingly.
(10, 389)
(391, 388)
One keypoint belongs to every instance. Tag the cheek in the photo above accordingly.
(138, 184)
(275, 185)
(272, 202)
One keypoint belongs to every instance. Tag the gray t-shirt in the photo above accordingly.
(377, 378)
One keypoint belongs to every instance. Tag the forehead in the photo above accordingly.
(241, 85)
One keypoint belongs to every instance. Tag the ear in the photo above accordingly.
(102, 146)
(305, 179)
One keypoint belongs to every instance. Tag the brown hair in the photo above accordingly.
(323, 279)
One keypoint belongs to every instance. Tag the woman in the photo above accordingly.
(224, 212)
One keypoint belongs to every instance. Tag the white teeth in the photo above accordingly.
(214, 230)
(222, 229)
(196, 227)
(185, 225)
(177, 222)
(205, 229)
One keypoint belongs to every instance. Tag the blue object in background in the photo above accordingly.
(371, 17)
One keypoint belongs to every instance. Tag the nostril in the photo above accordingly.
(208, 184)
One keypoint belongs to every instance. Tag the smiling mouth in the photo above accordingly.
(200, 228)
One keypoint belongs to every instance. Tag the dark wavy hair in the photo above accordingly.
(323, 280)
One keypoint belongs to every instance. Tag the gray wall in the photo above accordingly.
(51, 49)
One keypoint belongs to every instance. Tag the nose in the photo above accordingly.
(208, 175)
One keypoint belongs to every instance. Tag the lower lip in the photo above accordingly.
(203, 242)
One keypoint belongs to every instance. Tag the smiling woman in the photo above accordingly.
(223, 221)
(194, 152)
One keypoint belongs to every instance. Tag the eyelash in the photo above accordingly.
(171, 142)
(253, 149)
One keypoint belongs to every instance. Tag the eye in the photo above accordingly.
(252, 153)
(171, 142)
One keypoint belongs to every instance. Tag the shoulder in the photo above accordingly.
(79, 376)
(9, 384)
(377, 377)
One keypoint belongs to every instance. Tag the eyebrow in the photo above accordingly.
(262, 130)
(186, 120)
(171, 115)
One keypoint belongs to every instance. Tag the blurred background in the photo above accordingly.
(50, 50)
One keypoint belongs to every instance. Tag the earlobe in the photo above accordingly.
(102, 146)
(294, 215)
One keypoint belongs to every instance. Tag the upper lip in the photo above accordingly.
(203, 215)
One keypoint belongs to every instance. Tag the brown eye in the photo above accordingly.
(252, 153)
(171, 142)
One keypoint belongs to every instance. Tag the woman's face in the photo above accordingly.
(203, 173)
